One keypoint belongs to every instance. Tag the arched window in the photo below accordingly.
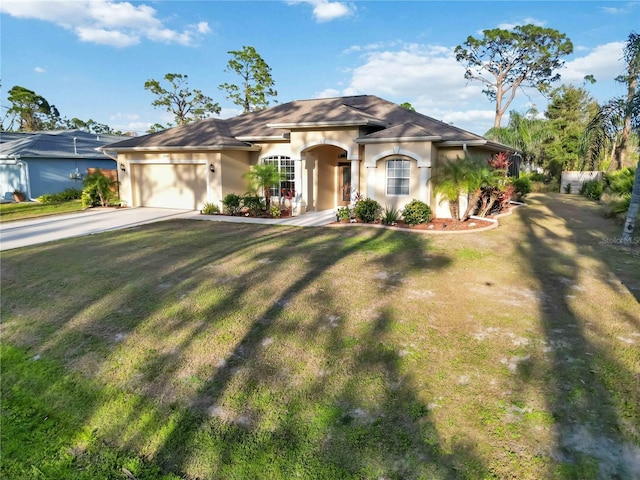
(398, 175)
(286, 166)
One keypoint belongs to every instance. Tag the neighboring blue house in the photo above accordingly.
(49, 162)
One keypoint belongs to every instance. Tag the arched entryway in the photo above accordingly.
(327, 177)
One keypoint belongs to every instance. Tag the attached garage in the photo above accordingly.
(169, 185)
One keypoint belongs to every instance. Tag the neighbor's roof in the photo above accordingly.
(381, 121)
(57, 144)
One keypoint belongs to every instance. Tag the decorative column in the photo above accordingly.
(297, 182)
(425, 176)
(371, 181)
(355, 177)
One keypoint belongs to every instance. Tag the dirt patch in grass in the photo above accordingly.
(221, 350)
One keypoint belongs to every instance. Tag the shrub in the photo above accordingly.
(69, 194)
(97, 190)
(567, 188)
(415, 212)
(536, 177)
(48, 198)
(621, 181)
(274, 211)
(254, 203)
(232, 203)
(390, 216)
(592, 189)
(522, 187)
(64, 196)
(210, 209)
(344, 213)
(367, 210)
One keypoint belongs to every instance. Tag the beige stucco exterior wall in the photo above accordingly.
(234, 164)
(374, 177)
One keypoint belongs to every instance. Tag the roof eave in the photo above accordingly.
(209, 148)
(429, 138)
(498, 147)
(264, 138)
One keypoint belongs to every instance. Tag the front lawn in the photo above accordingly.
(195, 349)
(26, 210)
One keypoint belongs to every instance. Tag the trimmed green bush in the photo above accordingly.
(232, 203)
(367, 210)
(416, 212)
(522, 186)
(254, 203)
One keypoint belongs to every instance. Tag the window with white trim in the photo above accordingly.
(286, 166)
(398, 174)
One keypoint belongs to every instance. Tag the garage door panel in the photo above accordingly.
(170, 186)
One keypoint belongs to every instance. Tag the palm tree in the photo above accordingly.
(617, 119)
(263, 177)
(525, 133)
(452, 180)
(632, 118)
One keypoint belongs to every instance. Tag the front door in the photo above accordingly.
(344, 196)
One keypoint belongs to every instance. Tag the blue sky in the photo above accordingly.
(90, 58)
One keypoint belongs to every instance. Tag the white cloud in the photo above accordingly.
(428, 71)
(328, 93)
(428, 77)
(603, 62)
(524, 21)
(326, 10)
(105, 22)
(622, 9)
(39, 70)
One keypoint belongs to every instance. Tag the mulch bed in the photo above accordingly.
(435, 224)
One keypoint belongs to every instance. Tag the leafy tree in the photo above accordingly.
(32, 110)
(506, 60)
(263, 177)
(257, 83)
(568, 112)
(408, 106)
(90, 126)
(185, 104)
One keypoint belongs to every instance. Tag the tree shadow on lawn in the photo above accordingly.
(255, 409)
(588, 372)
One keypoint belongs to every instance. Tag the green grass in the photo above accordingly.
(189, 349)
(25, 210)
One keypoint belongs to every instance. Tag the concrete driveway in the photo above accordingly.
(46, 229)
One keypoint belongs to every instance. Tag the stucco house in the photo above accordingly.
(49, 162)
(329, 149)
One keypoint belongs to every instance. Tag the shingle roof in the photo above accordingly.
(211, 132)
(60, 144)
(381, 119)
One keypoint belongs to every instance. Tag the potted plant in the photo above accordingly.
(18, 195)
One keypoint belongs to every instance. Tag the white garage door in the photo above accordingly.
(170, 186)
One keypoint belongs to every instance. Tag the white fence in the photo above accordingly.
(576, 179)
